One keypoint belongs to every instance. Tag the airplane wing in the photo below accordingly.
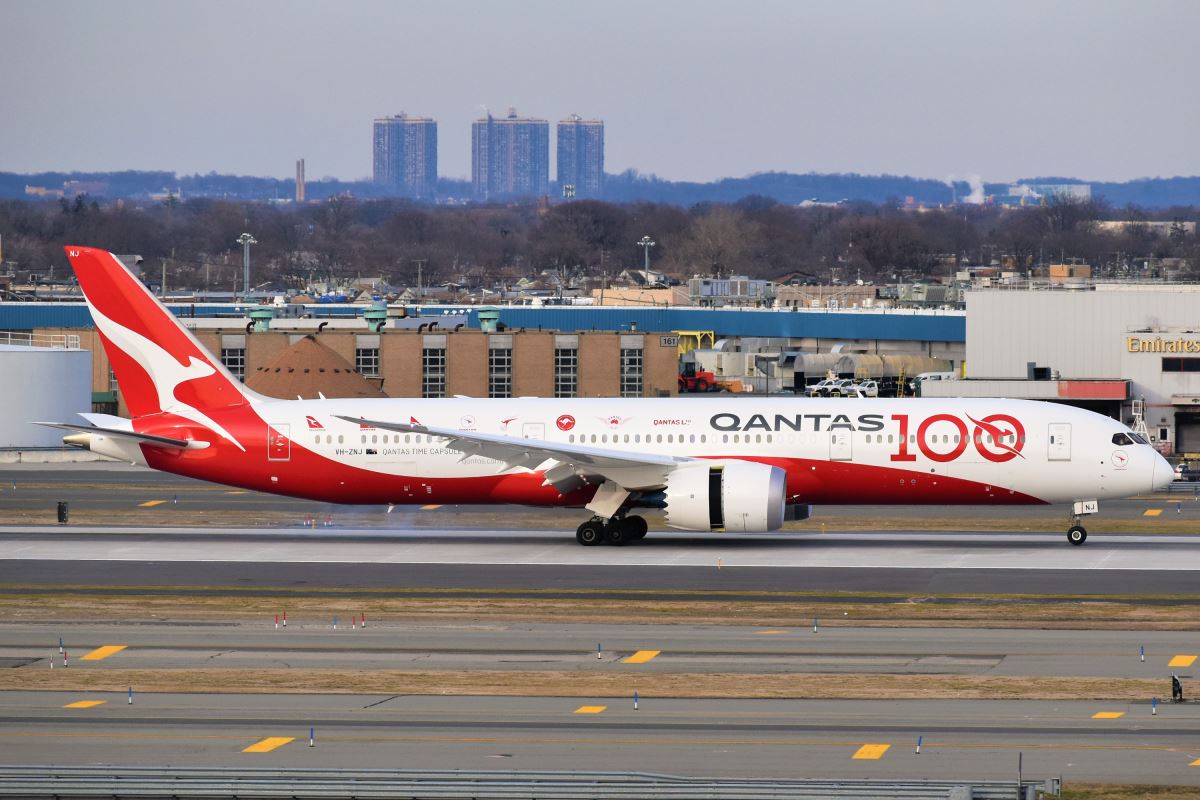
(570, 464)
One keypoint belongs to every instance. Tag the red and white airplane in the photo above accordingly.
(711, 464)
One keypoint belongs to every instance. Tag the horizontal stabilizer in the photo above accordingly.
(145, 438)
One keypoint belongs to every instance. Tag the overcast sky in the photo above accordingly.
(688, 89)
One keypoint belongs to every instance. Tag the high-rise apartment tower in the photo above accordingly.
(510, 157)
(406, 155)
(581, 155)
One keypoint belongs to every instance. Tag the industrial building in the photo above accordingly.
(609, 351)
(425, 361)
(1129, 351)
(54, 376)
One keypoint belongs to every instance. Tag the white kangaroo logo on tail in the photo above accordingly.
(164, 370)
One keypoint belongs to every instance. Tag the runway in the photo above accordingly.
(724, 738)
(588, 724)
(450, 558)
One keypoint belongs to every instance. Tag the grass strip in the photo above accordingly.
(316, 609)
(1097, 791)
(569, 683)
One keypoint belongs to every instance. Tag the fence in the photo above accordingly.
(28, 339)
(144, 782)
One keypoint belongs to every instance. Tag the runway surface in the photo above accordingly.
(725, 738)
(310, 642)
(446, 559)
(369, 553)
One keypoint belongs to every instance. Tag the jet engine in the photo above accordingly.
(734, 496)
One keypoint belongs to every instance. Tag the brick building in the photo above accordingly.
(415, 363)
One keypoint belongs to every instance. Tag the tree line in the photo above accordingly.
(756, 236)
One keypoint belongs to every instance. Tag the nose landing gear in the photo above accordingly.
(616, 531)
(1077, 534)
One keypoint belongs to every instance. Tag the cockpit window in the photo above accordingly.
(1126, 439)
(1137, 439)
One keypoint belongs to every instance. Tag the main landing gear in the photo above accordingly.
(616, 531)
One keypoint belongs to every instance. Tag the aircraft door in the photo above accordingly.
(533, 430)
(1058, 447)
(279, 442)
(841, 444)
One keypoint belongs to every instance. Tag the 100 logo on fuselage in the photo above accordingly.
(992, 441)
(996, 437)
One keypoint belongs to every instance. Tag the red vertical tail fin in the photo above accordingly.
(159, 364)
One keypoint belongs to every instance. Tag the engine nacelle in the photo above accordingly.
(734, 496)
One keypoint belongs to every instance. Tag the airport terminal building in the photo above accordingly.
(1130, 351)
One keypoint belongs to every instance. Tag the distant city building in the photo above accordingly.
(300, 181)
(406, 155)
(581, 155)
(510, 157)
(1035, 193)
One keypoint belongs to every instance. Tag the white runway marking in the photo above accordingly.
(855, 550)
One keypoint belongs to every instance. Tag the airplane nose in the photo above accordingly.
(1164, 473)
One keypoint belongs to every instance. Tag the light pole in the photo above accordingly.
(245, 240)
(646, 243)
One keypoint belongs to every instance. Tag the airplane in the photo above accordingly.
(710, 464)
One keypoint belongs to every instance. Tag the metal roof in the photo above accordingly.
(894, 324)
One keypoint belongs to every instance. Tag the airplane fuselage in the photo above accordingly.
(834, 451)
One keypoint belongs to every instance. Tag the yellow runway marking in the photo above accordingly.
(668, 741)
(85, 704)
(770, 633)
(591, 709)
(430, 507)
(871, 752)
(238, 491)
(151, 503)
(1152, 512)
(1108, 715)
(101, 653)
(269, 744)
(1181, 661)
(642, 656)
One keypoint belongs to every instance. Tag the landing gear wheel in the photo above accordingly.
(590, 533)
(1076, 535)
(637, 527)
(616, 533)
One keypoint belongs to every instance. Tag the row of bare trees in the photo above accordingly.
(345, 237)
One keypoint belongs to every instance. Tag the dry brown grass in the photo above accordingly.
(565, 683)
(792, 611)
(1096, 791)
(563, 607)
